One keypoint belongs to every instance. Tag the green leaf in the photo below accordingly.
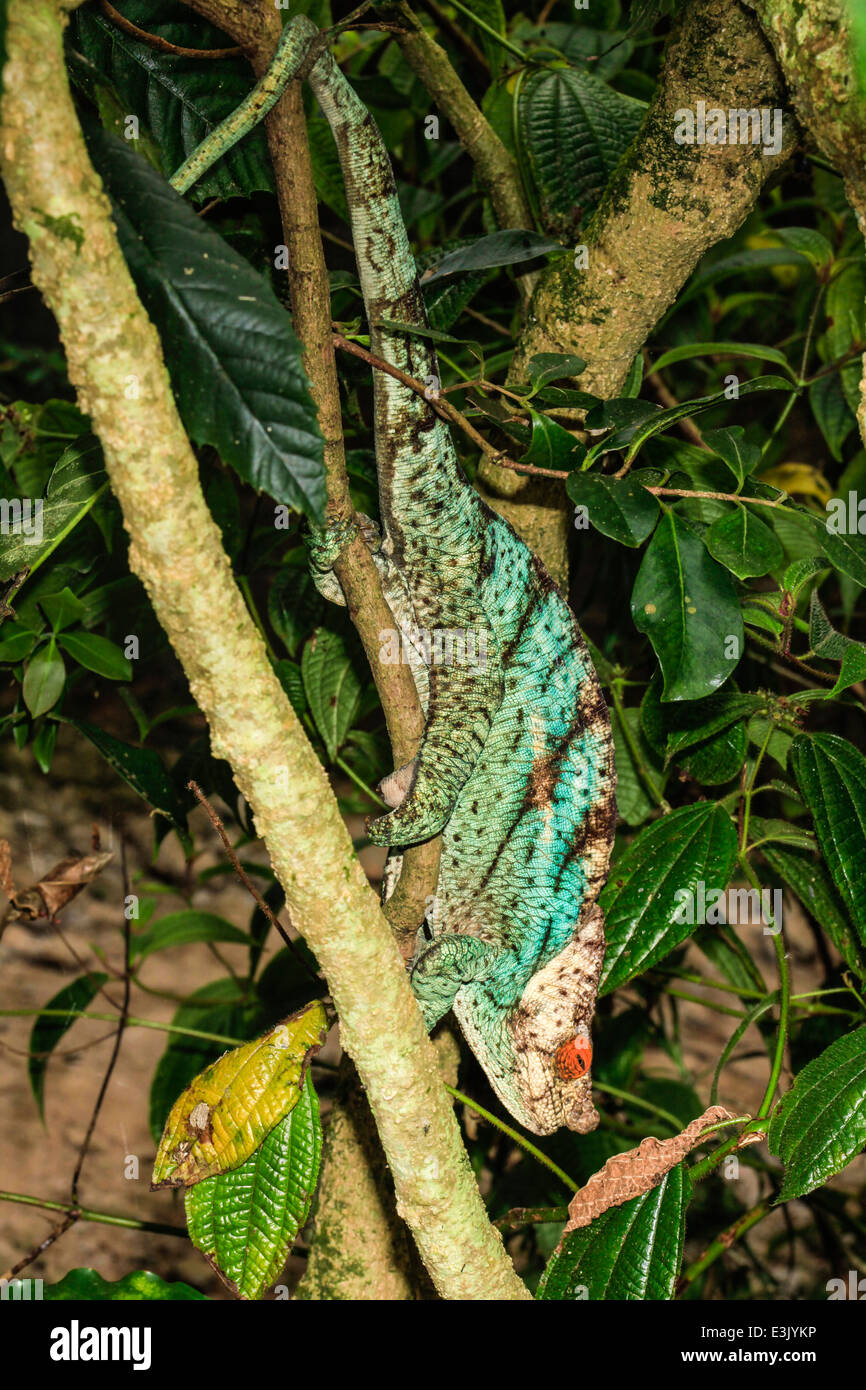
(551, 446)
(645, 896)
(764, 829)
(630, 1252)
(633, 801)
(573, 129)
(97, 654)
(845, 553)
(181, 928)
(141, 769)
(811, 244)
(663, 419)
(62, 609)
(76, 483)
(16, 643)
(47, 1031)
(620, 508)
(687, 605)
(331, 686)
(179, 99)
(743, 544)
(831, 774)
(701, 721)
(687, 351)
(846, 326)
(500, 248)
(232, 353)
(832, 412)
(86, 1286)
(295, 605)
(824, 640)
(806, 876)
(720, 758)
(820, 1124)
(731, 445)
(853, 668)
(44, 679)
(547, 367)
(245, 1221)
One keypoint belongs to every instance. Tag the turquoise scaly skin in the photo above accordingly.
(515, 768)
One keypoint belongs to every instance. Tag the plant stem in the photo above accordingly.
(517, 1137)
(131, 1223)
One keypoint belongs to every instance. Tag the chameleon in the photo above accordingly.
(515, 767)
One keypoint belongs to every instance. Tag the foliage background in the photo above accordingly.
(735, 765)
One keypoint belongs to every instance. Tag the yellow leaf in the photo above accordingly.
(225, 1113)
(801, 479)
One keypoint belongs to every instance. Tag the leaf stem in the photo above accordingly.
(516, 1136)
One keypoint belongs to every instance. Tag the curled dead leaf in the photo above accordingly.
(630, 1174)
(56, 889)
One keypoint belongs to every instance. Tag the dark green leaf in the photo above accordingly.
(820, 1124)
(97, 654)
(846, 553)
(687, 351)
(233, 356)
(832, 412)
(331, 686)
(633, 801)
(180, 928)
(743, 544)
(618, 507)
(853, 668)
(77, 482)
(551, 446)
(630, 1252)
(499, 248)
(44, 680)
(687, 605)
(732, 446)
(547, 367)
(141, 769)
(179, 99)
(574, 129)
(831, 774)
(62, 609)
(653, 887)
(47, 1031)
(806, 876)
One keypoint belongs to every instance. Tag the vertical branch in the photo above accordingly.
(176, 550)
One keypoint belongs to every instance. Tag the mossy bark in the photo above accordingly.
(812, 43)
(666, 205)
(176, 550)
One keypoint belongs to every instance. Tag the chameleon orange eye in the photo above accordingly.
(574, 1058)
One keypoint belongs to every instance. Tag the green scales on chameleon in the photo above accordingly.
(515, 768)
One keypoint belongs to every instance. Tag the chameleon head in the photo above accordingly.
(549, 1032)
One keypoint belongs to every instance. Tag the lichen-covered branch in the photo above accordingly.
(495, 166)
(812, 44)
(666, 205)
(176, 550)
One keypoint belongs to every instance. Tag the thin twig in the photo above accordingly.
(246, 881)
(163, 45)
(72, 1210)
(440, 404)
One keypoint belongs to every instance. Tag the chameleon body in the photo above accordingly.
(515, 767)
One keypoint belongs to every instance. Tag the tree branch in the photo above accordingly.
(813, 46)
(176, 550)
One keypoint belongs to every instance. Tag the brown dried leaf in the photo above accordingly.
(56, 889)
(630, 1174)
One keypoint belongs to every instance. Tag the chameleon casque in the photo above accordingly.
(515, 767)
